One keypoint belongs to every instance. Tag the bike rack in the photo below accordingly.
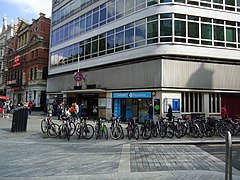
(228, 157)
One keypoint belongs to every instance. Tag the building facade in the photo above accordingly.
(129, 52)
(27, 60)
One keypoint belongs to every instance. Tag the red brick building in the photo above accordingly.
(27, 61)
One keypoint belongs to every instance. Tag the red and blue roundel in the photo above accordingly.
(78, 76)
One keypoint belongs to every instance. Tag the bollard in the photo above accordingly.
(228, 157)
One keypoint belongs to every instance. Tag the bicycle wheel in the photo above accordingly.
(136, 131)
(129, 132)
(154, 131)
(146, 132)
(162, 129)
(88, 131)
(78, 130)
(53, 130)
(170, 131)
(44, 126)
(105, 132)
(224, 129)
(97, 131)
(195, 131)
(116, 132)
(72, 128)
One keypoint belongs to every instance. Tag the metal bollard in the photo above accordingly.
(228, 157)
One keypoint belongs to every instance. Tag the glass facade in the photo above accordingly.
(157, 29)
(115, 9)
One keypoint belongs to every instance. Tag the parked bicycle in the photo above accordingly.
(132, 128)
(116, 129)
(83, 129)
(101, 129)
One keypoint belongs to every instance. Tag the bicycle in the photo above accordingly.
(116, 128)
(132, 128)
(45, 123)
(101, 129)
(83, 129)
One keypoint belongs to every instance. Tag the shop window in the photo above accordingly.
(191, 102)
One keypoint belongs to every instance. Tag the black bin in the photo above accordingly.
(19, 120)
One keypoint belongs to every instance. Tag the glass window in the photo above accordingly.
(140, 4)
(129, 38)
(218, 1)
(140, 32)
(166, 28)
(103, 16)
(111, 12)
(66, 32)
(152, 29)
(151, 2)
(94, 48)
(180, 28)
(102, 45)
(76, 27)
(231, 34)
(110, 42)
(119, 39)
(87, 50)
(81, 52)
(119, 9)
(71, 29)
(230, 2)
(88, 22)
(95, 19)
(193, 30)
(129, 6)
(238, 3)
(82, 25)
(218, 33)
(206, 31)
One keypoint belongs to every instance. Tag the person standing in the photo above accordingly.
(224, 113)
(150, 110)
(80, 110)
(169, 114)
(95, 112)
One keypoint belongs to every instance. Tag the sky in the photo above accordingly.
(26, 9)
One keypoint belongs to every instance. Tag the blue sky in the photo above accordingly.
(26, 9)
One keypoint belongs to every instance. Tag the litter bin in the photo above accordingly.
(19, 120)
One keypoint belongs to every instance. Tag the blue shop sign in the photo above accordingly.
(126, 95)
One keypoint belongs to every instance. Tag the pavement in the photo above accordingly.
(32, 155)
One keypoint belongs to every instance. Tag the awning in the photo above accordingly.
(85, 91)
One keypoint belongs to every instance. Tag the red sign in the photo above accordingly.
(78, 76)
(16, 61)
(4, 97)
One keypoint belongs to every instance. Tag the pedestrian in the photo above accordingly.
(95, 111)
(169, 114)
(80, 110)
(150, 110)
(30, 107)
(33, 105)
(224, 113)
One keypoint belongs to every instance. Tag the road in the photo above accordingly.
(32, 155)
(218, 150)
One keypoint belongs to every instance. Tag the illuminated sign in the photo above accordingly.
(16, 61)
(78, 76)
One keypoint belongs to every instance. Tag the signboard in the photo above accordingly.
(78, 76)
(126, 95)
(16, 61)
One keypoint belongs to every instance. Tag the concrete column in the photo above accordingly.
(37, 99)
(206, 104)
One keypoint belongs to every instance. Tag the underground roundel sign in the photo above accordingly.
(78, 76)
